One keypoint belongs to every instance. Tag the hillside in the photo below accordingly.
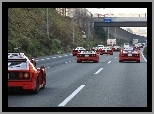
(27, 30)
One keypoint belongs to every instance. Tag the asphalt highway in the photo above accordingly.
(107, 83)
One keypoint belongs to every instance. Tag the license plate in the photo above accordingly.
(129, 54)
(8, 75)
(86, 55)
(105, 50)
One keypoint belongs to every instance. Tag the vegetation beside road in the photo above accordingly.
(27, 29)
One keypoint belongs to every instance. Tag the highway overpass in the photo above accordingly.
(119, 21)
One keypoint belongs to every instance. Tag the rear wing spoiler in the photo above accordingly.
(17, 60)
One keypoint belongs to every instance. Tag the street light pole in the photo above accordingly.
(47, 24)
(115, 32)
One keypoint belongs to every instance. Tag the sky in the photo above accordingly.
(117, 10)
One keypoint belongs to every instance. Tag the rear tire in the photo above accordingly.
(44, 80)
(37, 87)
(120, 61)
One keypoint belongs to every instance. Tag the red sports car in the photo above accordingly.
(106, 50)
(136, 48)
(87, 55)
(77, 50)
(129, 55)
(116, 48)
(22, 74)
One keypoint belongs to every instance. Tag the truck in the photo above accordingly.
(111, 42)
(135, 41)
(126, 45)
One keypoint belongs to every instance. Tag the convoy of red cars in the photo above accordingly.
(23, 73)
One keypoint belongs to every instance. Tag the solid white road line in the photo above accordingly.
(99, 70)
(71, 96)
(143, 56)
(109, 62)
(42, 59)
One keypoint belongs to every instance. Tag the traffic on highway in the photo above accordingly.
(88, 79)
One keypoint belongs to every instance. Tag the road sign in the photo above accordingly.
(107, 20)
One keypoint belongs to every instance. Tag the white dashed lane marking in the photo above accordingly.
(48, 67)
(36, 60)
(109, 62)
(69, 61)
(66, 62)
(99, 70)
(71, 96)
(115, 57)
(53, 57)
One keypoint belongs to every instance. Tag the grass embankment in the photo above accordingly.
(27, 29)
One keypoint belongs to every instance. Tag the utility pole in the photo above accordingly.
(108, 32)
(47, 24)
(73, 27)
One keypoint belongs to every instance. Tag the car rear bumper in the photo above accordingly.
(86, 59)
(116, 49)
(129, 58)
(106, 52)
(24, 85)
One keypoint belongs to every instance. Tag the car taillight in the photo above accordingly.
(20, 75)
(24, 75)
